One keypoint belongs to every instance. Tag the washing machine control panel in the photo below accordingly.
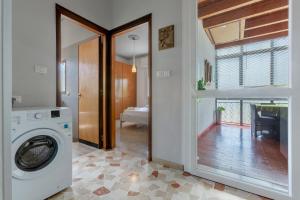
(44, 115)
(38, 116)
(55, 113)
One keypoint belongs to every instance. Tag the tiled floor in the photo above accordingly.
(132, 138)
(118, 175)
(81, 149)
(233, 149)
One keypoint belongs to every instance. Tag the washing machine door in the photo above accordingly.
(36, 152)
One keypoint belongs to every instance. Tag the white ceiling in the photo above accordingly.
(72, 33)
(124, 46)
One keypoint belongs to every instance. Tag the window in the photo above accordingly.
(237, 111)
(281, 61)
(228, 73)
(253, 65)
(256, 70)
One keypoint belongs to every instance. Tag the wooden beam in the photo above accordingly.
(268, 19)
(202, 3)
(279, 27)
(254, 39)
(253, 10)
(218, 7)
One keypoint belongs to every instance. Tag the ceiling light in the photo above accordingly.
(133, 38)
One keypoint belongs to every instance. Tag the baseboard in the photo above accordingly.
(89, 143)
(168, 163)
(207, 130)
(75, 140)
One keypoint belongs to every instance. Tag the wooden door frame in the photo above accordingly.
(104, 33)
(111, 139)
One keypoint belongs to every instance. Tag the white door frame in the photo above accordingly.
(190, 61)
(5, 97)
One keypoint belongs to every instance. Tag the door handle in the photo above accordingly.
(79, 95)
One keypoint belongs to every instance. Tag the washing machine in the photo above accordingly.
(41, 152)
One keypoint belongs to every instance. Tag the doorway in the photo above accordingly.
(107, 134)
(80, 75)
(131, 86)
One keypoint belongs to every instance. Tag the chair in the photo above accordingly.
(261, 123)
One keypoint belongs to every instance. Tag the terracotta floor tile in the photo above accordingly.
(219, 186)
(101, 191)
(175, 185)
(132, 194)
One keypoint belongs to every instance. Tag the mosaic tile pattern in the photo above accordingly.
(117, 175)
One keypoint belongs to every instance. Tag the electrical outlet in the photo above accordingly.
(18, 99)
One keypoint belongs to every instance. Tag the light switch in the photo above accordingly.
(41, 69)
(163, 74)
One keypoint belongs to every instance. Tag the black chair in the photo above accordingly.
(262, 123)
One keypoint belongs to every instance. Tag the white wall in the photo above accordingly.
(34, 43)
(142, 76)
(70, 99)
(166, 92)
(206, 51)
(294, 140)
(205, 114)
(205, 107)
(72, 33)
(5, 98)
(1, 111)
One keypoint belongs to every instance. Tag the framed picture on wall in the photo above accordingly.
(166, 37)
(207, 72)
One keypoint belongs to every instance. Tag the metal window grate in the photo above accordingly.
(237, 111)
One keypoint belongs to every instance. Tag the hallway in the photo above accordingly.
(120, 175)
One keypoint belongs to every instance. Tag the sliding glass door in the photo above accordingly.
(242, 100)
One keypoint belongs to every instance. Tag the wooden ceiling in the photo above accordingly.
(233, 22)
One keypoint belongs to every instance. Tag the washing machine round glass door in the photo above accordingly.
(36, 152)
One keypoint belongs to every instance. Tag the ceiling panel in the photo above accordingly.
(229, 21)
(226, 33)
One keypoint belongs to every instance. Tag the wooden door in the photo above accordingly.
(89, 63)
(118, 88)
(125, 87)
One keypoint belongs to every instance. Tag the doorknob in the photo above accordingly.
(79, 95)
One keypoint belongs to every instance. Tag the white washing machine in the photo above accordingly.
(41, 152)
